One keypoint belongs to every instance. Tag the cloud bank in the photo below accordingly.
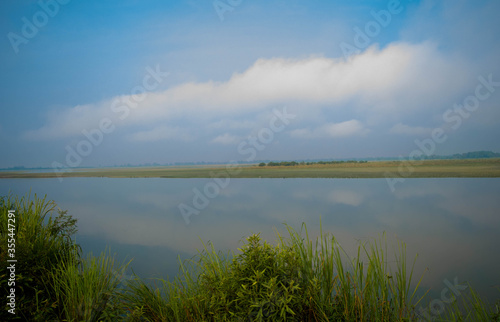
(334, 98)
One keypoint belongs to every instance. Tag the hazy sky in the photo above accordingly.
(86, 83)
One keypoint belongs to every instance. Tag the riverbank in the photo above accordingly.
(465, 168)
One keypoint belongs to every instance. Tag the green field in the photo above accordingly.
(468, 168)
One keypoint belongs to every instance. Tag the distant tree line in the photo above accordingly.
(467, 155)
(294, 163)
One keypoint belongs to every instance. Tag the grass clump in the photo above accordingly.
(263, 282)
(42, 241)
(88, 291)
(52, 281)
(296, 280)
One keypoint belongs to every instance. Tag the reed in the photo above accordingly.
(298, 280)
(52, 281)
(88, 290)
(295, 279)
(469, 307)
(42, 240)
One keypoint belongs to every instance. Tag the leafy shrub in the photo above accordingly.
(263, 282)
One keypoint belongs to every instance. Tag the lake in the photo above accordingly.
(453, 224)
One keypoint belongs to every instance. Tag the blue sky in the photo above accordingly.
(88, 83)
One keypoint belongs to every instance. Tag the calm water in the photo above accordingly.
(453, 224)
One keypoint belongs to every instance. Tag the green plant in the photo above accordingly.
(52, 282)
(296, 280)
(263, 282)
(42, 240)
(88, 291)
(467, 307)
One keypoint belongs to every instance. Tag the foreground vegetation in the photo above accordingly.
(467, 168)
(52, 280)
(295, 280)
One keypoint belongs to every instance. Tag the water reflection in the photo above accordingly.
(452, 224)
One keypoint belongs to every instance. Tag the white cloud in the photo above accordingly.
(401, 128)
(158, 134)
(70, 121)
(332, 130)
(382, 81)
(345, 197)
(230, 124)
(226, 139)
(348, 128)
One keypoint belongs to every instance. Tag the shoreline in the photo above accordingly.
(457, 168)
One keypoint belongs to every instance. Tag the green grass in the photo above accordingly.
(88, 291)
(467, 168)
(295, 279)
(42, 241)
(52, 281)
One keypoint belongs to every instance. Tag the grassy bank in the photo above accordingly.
(467, 168)
(52, 281)
(295, 279)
